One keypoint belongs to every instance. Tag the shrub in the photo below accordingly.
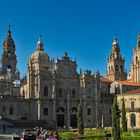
(67, 135)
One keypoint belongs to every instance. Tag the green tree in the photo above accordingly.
(80, 124)
(115, 120)
(124, 121)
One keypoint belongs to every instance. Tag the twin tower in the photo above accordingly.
(116, 70)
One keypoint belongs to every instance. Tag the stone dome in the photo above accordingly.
(40, 54)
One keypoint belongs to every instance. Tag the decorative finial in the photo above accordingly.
(115, 39)
(9, 30)
(40, 44)
(65, 54)
(98, 72)
(40, 38)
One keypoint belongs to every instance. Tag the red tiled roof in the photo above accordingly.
(136, 91)
(105, 80)
(128, 83)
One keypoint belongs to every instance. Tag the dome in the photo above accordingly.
(40, 54)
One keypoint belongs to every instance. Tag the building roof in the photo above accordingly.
(128, 83)
(131, 92)
(105, 80)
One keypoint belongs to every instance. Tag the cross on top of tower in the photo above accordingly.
(9, 30)
(115, 40)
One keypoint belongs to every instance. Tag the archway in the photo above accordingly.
(60, 117)
(73, 117)
(9, 69)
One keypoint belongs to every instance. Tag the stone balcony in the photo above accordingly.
(136, 109)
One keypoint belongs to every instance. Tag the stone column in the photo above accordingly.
(54, 106)
(96, 107)
(68, 111)
(39, 110)
(137, 120)
(129, 120)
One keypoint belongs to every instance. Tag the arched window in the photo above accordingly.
(45, 111)
(45, 91)
(73, 110)
(73, 93)
(121, 68)
(133, 120)
(136, 59)
(60, 92)
(109, 69)
(61, 109)
(116, 67)
(9, 69)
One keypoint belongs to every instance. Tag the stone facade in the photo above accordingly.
(132, 105)
(51, 90)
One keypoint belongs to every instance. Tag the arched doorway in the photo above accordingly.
(60, 117)
(73, 117)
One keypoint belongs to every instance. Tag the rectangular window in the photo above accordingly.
(73, 93)
(132, 105)
(45, 111)
(3, 109)
(11, 111)
(60, 92)
(45, 91)
(89, 111)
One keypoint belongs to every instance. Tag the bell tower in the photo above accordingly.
(8, 56)
(115, 69)
(135, 64)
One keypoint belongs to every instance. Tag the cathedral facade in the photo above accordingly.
(51, 90)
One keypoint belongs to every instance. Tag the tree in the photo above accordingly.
(115, 120)
(124, 121)
(80, 124)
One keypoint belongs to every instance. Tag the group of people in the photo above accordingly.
(46, 134)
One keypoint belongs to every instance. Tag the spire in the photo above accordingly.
(40, 44)
(80, 71)
(115, 40)
(66, 57)
(9, 30)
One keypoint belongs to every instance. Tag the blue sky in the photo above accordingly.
(83, 28)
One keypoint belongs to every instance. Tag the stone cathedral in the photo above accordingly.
(50, 92)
